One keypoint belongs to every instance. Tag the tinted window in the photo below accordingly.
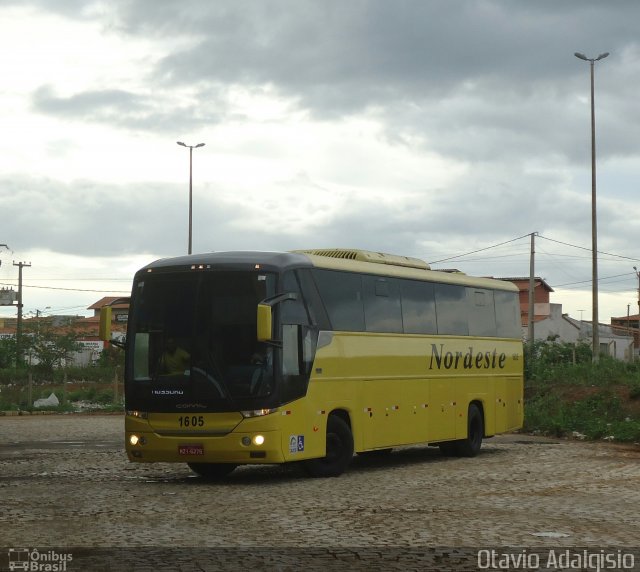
(482, 318)
(508, 314)
(451, 311)
(418, 307)
(293, 311)
(312, 298)
(298, 342)
(194, 334)
(342, 296)
(382, 310)
(380, 304)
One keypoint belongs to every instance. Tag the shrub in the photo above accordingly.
(566, 392)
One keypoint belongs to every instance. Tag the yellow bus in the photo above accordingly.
(238, 358)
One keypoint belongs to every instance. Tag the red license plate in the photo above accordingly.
(196, 449)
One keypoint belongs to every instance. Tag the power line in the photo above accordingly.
(589, 281)
(69, 289)
(479, 250)
(72, 279)
(589, 250)
(540, 236)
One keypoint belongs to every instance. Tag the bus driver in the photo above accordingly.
(174, 359)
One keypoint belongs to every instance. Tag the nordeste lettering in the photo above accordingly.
(445, 359)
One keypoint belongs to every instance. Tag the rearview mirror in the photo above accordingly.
(264, 319)
(104, 331)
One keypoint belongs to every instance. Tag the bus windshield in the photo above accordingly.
(193, 340)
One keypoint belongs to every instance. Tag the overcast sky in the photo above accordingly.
(425, 128)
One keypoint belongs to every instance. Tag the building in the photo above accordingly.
(630, 325)
(541, 302)
(551, 323)
(119, 308)
(87, 329)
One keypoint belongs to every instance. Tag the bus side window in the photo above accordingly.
(507, 314)
(382, 309)
(298, 340)
(293, 311)
(451, 306)
(482, 317)
(298, 344)
(290, 350)
(418, 307)
(317, 312)
(341, 293)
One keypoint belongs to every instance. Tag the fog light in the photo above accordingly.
(258, 439)
(246, 441)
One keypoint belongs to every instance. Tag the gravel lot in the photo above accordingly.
(66, 485)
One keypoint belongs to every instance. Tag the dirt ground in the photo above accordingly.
(66, 485)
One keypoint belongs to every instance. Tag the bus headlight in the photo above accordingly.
(136, 440)
(258, 412)
(138, 414)
(258, 440)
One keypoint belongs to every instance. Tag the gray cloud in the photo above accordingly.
(476, 79)
(128, 110)
(491, 85)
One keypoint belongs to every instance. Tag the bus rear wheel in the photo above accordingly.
(212, 470)
(339, 450)
(470, 446)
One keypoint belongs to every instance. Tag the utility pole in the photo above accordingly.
(636, 334)
(629, 333)
(20, 266)
(532, 286)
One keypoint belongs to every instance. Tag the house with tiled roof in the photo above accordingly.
(551, 323)
(541, 298)
(631, 325)
(119, 308)
(85, 327)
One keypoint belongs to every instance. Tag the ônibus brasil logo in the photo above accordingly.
(38, 561)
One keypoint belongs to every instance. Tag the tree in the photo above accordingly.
(111, 357)
(7, 352)
(51, 346)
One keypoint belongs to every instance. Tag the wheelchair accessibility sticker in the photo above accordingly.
(296, 443)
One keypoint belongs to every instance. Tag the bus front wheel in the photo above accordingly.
(339, 450)
(212, 470)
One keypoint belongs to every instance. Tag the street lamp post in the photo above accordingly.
(191, 148)
(594, 225)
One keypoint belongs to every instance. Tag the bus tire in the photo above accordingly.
(339, 451)
(470, 446)
(212, 470)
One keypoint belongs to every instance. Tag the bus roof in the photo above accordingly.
(348, 260)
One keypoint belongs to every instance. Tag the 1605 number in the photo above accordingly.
(191, 421)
